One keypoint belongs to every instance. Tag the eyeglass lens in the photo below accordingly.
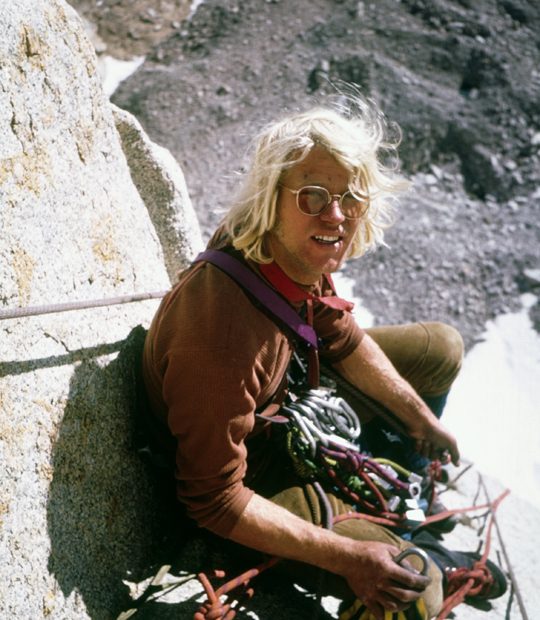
(312, 200)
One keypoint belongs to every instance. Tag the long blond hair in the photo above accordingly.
(355, 135)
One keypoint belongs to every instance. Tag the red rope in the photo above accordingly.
(464, 582)
(216, 609)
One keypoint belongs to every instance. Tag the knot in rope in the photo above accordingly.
(464, 582)
(475, 580)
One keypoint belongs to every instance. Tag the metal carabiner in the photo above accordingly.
(306, 432)
(414, 551)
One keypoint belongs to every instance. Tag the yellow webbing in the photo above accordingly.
(358, 611)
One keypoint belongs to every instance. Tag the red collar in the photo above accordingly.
(295, 293)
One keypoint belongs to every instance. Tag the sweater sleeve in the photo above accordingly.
(210, 412)
(212, 360)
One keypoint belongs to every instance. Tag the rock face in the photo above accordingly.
(160, 182)
(77, 510)
(460, 77)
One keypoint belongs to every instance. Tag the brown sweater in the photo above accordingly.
(211, 359)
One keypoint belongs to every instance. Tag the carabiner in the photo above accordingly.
(414, 551)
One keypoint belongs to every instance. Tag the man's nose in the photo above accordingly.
(332, 212)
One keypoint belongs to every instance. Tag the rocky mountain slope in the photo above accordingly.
(462, 80)
(128, 28)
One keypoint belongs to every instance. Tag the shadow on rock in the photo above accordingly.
(107, 519)
(178, 595)
(274, 592)
(112, 516)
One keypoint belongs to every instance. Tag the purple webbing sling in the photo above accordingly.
(261, 291)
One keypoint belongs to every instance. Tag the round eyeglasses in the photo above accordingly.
(313, 200)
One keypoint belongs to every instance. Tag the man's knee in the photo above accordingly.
(443, 357)
(428, 355)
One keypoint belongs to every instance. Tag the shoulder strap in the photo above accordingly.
(249, 280)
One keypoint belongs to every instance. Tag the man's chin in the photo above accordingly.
(333, 266)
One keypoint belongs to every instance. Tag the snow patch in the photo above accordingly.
(493, 407)
(194, 6)
(114, 71)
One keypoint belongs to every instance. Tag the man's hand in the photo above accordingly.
(379, 582)
(370, 370)
(434, 441)
(367, 566)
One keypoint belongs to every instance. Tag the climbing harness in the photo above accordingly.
(322, 450)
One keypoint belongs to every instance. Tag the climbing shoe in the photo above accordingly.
(458, 566)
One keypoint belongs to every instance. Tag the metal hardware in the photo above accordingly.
(420, 553)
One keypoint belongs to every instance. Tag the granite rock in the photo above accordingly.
(78, 508)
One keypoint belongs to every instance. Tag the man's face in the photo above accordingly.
(306, 246)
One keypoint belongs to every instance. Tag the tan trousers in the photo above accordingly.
(429, 356)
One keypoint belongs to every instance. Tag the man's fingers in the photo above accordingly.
(430, 450)
(376, 608)
(403, 597)
(408, 578)
(422, 447)
(392, 600)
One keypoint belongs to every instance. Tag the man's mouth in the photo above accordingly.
(327, 239)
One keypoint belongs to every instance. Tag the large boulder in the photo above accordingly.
(78, 511)
(161, 185)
